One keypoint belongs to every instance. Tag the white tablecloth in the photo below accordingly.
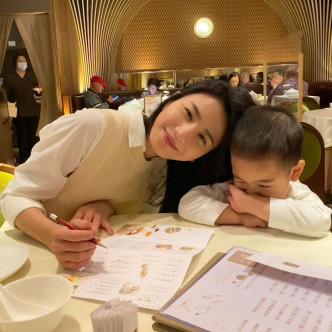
(322, 120)
(278, 99)
(275, 242)
(127, 108)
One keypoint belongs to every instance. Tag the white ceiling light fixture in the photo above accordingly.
(203, 27)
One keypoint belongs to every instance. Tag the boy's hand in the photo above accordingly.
(238, 199)
(256, 205)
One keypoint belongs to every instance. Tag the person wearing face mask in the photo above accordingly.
(21, 86)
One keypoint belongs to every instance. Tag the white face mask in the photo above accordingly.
(22, 66)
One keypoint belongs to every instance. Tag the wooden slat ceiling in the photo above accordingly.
(100, 33)
(100, 25)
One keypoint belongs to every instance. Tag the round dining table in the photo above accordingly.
(41, 261)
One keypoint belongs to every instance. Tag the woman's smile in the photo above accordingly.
(169, 141)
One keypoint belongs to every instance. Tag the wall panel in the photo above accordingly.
(162, 36)
(99, 26)
(312, 20)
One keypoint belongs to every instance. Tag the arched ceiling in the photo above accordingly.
(312, 19)
(106, 20)
(100, 25)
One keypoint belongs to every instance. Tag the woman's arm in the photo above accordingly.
(63, 146)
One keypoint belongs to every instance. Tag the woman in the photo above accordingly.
(91, 165)
(234, 79)
(21, 86)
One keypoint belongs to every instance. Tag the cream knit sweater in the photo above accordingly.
(112, 171)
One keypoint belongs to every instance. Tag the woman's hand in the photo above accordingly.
(72, 248)
(97, 213)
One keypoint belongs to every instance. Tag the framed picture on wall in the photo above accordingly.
(151, 102)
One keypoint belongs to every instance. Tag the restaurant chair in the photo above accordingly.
(313, 152)
(311, 103)
(293, 107)
(6, 174)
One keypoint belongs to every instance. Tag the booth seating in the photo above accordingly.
(257, 88)
(77, 100)
(323, 90)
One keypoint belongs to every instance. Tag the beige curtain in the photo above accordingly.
(35, 32)
(5, 25)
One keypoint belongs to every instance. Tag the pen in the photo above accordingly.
(70, 226)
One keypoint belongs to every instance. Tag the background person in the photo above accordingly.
(234, 79)
(91, 97)
(121, 84)
(291, 82)
(21, 86)
(153, 85)
(267, 164)
(91, 165)
(277, 78)
(259, 78)
(245, 78)
(223, 77)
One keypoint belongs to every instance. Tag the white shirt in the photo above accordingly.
(63, 145)
(302, 212)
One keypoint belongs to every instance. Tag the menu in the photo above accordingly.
(238, 293)
(143, 263)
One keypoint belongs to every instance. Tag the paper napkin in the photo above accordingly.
(115, 316)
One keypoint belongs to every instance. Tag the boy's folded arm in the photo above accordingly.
(303, 217)
(204, 204)
(230, 217)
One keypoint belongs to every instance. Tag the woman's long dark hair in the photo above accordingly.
(215, 166)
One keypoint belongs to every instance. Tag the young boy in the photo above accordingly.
(265, 191)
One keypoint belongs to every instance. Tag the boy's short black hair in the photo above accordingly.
(267, 132)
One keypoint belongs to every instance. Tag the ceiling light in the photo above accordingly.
(203, 27)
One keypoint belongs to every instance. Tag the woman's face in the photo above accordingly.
(187, 128)
(234, 82)
(21, 58)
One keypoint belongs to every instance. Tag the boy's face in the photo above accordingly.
(264, 177)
